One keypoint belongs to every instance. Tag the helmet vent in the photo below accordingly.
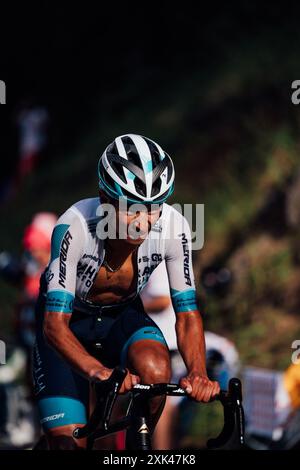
(131, 152)
(156, 157)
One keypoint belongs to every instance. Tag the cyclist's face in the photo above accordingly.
(136, 219)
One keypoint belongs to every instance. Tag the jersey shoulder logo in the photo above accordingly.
(64, 248)
(186, 259)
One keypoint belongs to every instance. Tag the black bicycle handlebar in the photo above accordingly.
(231, 436)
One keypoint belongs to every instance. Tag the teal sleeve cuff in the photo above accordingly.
(59, 301)
(184, 301)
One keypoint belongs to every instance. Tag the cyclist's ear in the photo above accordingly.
(105, 199)
(103, 196)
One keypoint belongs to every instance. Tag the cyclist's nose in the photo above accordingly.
(142, 222)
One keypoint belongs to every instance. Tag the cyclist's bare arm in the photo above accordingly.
(61, 338)
(190, 340)
(191, 344)
(189, 327)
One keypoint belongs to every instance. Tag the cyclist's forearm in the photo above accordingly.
(61, 338)
(191, 341)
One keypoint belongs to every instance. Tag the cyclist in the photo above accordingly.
(89, 315)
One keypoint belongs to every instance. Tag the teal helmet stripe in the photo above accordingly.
(107, 189)
(119, 189)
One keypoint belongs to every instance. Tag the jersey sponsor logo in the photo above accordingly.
(147, 270)
(145, 259)
(63, 258)
(86, 274)
(52, 418)
(186, 304)
(157, 227)
(186, 259)
(59, 301)
(80, 269)
(94, 258)
(184, 301)
(156, 257)
(49, 275)
(90, 272)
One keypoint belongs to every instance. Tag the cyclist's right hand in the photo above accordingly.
(128, 383)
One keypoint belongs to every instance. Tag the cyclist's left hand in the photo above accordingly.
(199, 387)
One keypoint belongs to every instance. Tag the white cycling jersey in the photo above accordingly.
(77, 253)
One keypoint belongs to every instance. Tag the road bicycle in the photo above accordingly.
(136, 418)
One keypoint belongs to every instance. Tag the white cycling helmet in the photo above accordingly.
(137, 168)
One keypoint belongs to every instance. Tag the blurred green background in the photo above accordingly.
(214, 89)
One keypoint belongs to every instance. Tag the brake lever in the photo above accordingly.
(110, 389)
(106, 395)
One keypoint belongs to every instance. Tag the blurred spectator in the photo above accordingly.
(221, 354)
(216, 280)
(26, 275)
(222, 359)
(17, 416)
(291, 435)
(32, 122)
(272, 408)
(27, 141)
(292, 384)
